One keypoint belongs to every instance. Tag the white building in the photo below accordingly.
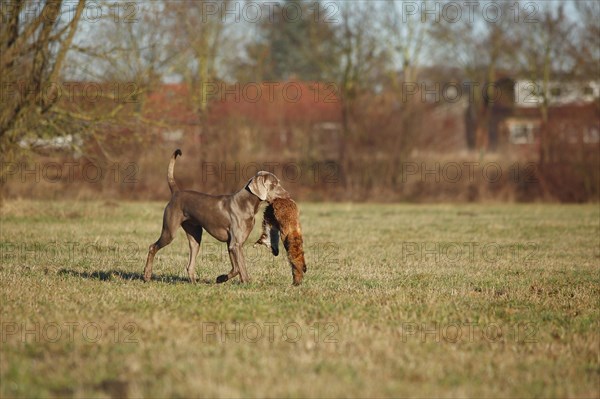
(529, 93)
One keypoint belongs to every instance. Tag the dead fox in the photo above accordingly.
(283, 218)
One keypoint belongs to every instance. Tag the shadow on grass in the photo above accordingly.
(111, 275)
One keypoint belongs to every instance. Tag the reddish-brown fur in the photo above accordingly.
(283, 218)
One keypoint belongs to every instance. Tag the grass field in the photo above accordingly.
(399, 300)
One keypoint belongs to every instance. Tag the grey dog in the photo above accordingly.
(228, 218)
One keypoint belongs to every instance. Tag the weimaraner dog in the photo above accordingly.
(228, 218)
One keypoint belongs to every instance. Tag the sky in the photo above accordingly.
(242, 16)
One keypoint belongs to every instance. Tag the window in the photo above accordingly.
(522, 133)
(172, 135)
(591, 135)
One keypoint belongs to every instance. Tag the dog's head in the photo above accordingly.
(266, 187)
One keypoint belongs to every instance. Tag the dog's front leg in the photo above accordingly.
(237, 260)
(238, 234)
(238, 265)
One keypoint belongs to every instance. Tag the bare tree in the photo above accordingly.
(135, 46)
(544, 55)
(33, 48)
(480, 47)
(405, 39)
(133, 58)
(199, 29)
(360, 57)
(584, 48)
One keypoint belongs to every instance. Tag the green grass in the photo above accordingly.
(503, 301)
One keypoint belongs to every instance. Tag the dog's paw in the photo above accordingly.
(222, 278)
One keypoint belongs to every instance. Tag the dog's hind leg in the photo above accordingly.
(170, 224)
(194, 236)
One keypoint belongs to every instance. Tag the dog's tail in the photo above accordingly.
(170, 179)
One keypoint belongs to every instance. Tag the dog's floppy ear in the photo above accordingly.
(258, 187)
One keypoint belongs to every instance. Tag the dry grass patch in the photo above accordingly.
(399, 300)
